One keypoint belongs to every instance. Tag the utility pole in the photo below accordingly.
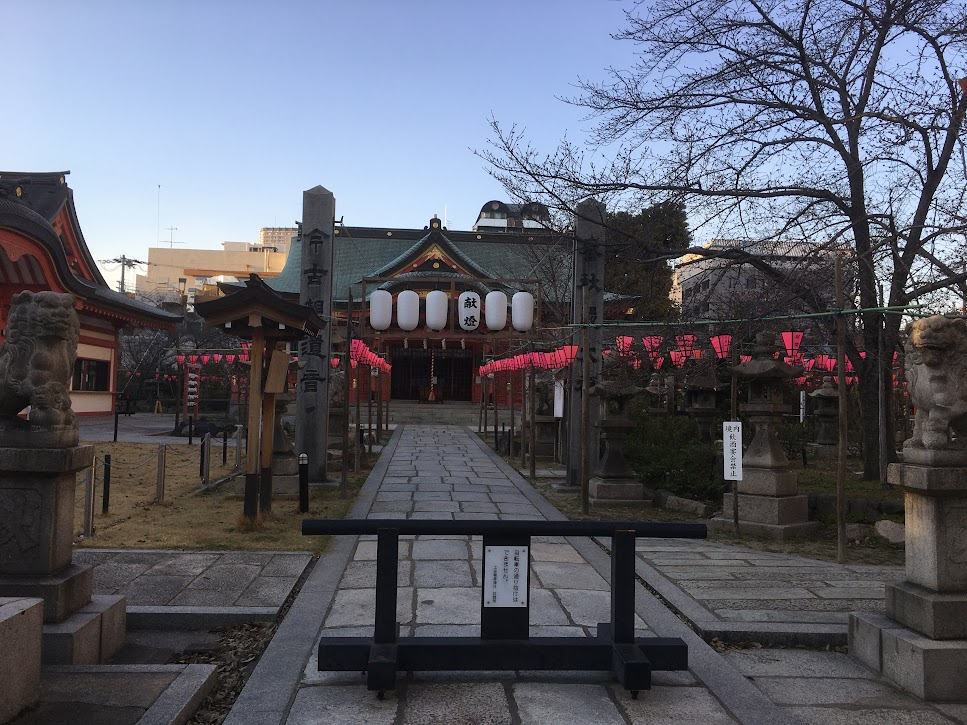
(125, 263)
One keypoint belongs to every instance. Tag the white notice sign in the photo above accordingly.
(732, 448)
(505, 576)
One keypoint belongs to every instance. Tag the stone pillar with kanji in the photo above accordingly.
(312, 394)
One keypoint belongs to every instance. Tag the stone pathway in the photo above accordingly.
(738, 594)
(195, 589)
(445, 472)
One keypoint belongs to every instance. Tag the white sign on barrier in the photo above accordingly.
(732, 448)
(505, 576)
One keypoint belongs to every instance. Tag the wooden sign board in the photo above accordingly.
(278, 372)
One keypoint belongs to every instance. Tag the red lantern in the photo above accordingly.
(230, 359)
(651, 343)
(722, 344)
(791, 341)
(334, 362)
(678, 358)
(180, 359)
(192, 359)
(623, 343)
(205, 359)
(217, 357)
(570, 353)
(686, 343)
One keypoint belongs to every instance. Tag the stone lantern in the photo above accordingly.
(769, 500)
(700, 399)
(827, 415)
(615, 481)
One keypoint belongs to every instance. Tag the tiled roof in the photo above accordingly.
(362, 254)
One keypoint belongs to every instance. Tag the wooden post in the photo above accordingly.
(359, 415)
(841, 461)
(734, 411)
(379, 395)
(532, 419)
(510, 444)
(523, 413)
(344, 480)
(883, 374)
(268, 440)
(370, 392)
(586, 405)
(251, 505)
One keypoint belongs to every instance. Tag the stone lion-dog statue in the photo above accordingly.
(936, 370)
(36, 364)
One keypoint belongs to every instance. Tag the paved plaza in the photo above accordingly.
(195, 589)
(746, 595)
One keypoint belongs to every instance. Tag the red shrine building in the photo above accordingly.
(442, 365)
(42, 248)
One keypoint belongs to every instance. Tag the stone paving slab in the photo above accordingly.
(438, 595)
(715, 585)
(244, 585)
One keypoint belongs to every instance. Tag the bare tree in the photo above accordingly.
(832, 122)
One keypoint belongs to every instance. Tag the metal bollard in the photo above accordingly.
(224, 446)
(106, 494)
(160, 490)
(191, 430)
(116, 414)
(238, 447)
(303, 483)
(201, 458)
(206, 447)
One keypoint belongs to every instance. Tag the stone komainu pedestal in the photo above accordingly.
(37, 489)
(921, 643)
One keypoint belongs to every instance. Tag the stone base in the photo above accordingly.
(774, 510)
(935, 615)
(37, 489)
(933, 457)
(19, 433)
(619, 489)
(777, 532)
(285, 465)
(768, 482)
(63, 593)
(21, 621)
(90, 636)
(822, 451)
(933, 670)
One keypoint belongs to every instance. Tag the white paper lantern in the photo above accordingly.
(468, 311)
(380, 309)
(522, 307)
(496, 310)
(408, 310)
(436, 309)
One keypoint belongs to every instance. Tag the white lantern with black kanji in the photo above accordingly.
(408, 310)
(523, 311)
(436, 309)
(468, 311)
(380, 309)
(496, 311)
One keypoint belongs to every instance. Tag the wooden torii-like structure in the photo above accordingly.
(257, 313)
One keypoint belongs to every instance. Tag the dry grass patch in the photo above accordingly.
(187, 519)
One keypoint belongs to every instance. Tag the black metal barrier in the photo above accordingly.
(504, 642)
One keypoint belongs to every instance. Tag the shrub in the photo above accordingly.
(667, 452)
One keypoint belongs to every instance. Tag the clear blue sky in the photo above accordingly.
(236, 107)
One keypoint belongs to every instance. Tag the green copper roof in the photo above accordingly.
(357, 257)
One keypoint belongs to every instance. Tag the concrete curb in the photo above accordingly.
(182, 697)
(270, 691)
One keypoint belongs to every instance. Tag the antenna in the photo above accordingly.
(171, 237)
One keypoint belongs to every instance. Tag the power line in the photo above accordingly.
(125, 263)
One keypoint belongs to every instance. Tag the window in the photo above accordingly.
(91, 375)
